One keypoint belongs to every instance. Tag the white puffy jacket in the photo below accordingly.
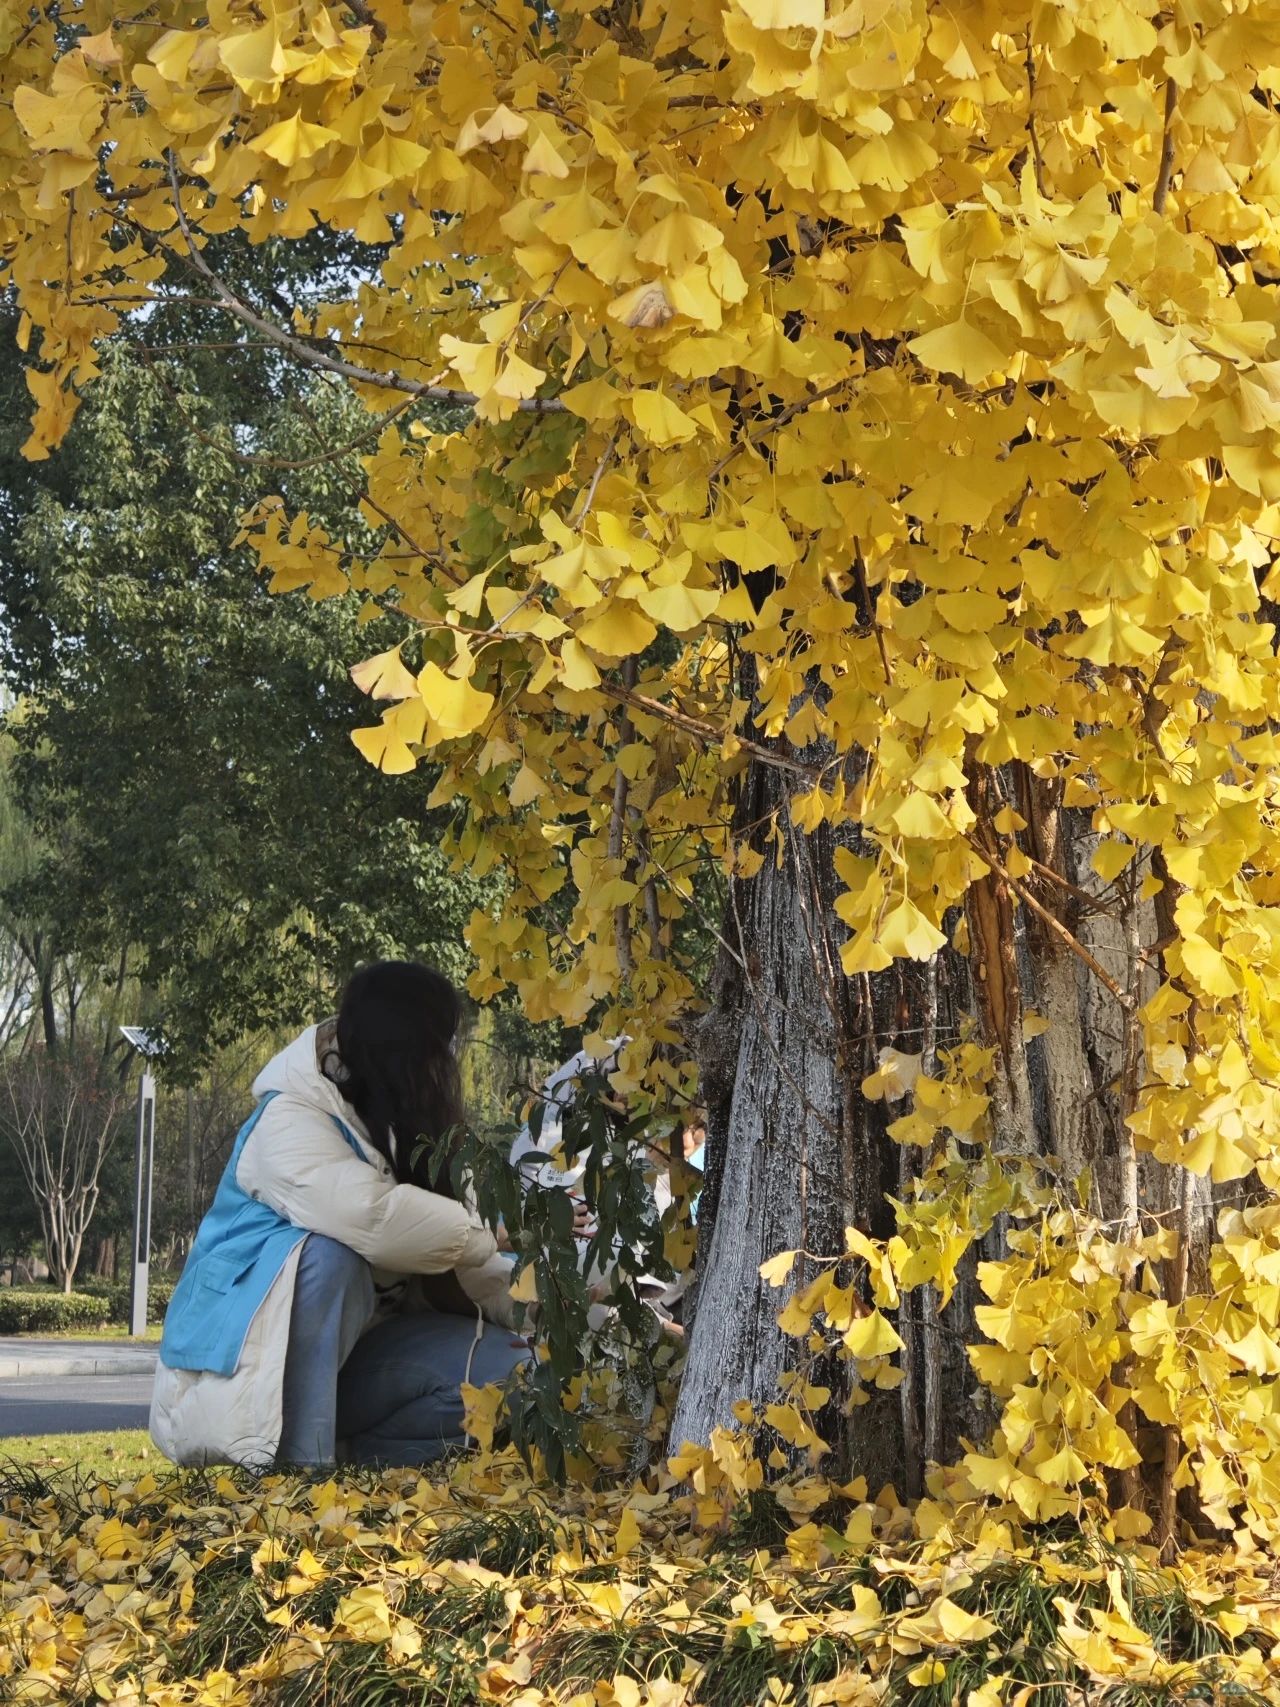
(298, 1162)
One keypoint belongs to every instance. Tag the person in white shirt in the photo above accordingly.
(537, 1162)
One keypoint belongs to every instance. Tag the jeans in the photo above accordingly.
(387, 1394)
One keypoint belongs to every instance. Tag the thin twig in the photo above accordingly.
(706, 733)
(1036, 156)
(1090, 902)
(598, 476)
(1055, 924)
(1165, 176)
(359, 9)
(864, 591)
(774, 423)
(247, 459)
(312, 357)
(617, 826)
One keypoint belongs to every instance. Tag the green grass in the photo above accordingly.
(97, 1331)
(113, 1456)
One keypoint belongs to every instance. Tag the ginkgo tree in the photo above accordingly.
(865, 478)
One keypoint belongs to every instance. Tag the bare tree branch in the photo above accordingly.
(61, 1116)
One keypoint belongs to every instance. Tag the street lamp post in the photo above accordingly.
(144, 1167)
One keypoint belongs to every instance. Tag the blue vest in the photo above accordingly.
(239, 1251)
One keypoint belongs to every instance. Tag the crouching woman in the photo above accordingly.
(320, 1313)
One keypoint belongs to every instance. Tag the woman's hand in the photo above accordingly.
(584, 1226)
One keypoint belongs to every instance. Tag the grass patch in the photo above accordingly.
(513, 1542)
(113, 1456)
(116, 1332)
(229, 1612)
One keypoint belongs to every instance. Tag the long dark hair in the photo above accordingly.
(396, 1065)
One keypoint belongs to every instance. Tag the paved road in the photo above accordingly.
(73, 1404)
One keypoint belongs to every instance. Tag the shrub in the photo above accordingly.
(115, 1293)
(31, 1310)
(158, 1295)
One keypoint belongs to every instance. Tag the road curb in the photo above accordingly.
(28, 1368)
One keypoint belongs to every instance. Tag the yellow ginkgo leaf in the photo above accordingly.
(384, 676)
(677, 240)
(501, 125)
(957, 1625)
(101, 49)
(905, 933)
(525, 787)
(397, 156)
(960, 348)
(784, 14)
(627, 1538)
(678, 607)
(617, 630)
(364, 1615)
(388, 744)
(609, 252)
(576, 669)
(1064, 1469)
(1111, 857)
(454, 706)
(776, 1269)
(256, 58)
(927, 1673)
(293, 139)
(794, 1319)
(518, 378)
(871, 1336)
(361, 180)
(481, 1406)
(543, 157)
(1207, 967)
(660, 420)
(920, 815)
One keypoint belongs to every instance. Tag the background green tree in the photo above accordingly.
(188, 837)
(182, 737)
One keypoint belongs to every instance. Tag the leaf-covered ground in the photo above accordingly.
(202, 1589)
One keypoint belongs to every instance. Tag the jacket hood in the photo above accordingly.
(295, 1072)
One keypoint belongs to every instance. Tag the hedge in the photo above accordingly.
(116, 1293)
(41, 1309)
(33, 1310)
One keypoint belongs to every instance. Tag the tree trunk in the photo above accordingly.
(48, 1008)
(189, 1124)
(796, 1153)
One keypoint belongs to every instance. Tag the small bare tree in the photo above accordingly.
(62, 1115)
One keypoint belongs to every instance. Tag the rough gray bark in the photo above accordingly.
(776, 1105)
(796, 1153)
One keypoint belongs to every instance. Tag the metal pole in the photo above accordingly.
(145, 1162)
